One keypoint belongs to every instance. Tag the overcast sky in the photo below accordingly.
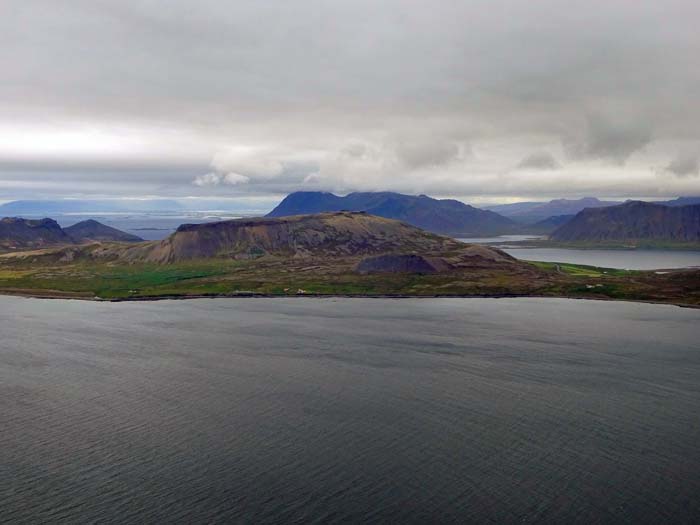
(487, 101)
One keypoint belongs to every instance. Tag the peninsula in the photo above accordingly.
(325, 254)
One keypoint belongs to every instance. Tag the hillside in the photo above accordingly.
(27, 234)
(338, 234)
(448, 217)
(549, 224)
(91, 230)
(634, 220)
(16, 233)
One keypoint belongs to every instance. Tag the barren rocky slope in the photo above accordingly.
(327, 235)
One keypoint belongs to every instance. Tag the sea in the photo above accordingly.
(148, 226)
(638, 259)
(305, 410)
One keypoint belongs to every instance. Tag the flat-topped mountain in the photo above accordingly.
(335, 234)
(633, 220)
(91, 230)
(23, 234)
(446, 216)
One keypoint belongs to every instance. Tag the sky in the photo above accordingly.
(485, 100)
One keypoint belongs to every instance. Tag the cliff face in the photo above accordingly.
(448, 217)
(633, 220)
(326, 234)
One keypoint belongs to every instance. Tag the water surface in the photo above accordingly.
(623, 259)
(349, 410)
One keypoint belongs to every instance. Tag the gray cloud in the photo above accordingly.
(132, 97)
(612, 139)
(684, 165)
(539, 161)
(424, 153)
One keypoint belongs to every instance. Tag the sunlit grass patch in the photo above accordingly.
(580, 270)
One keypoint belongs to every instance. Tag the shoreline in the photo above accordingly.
(56, 295)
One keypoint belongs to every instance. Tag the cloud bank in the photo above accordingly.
(484, 100)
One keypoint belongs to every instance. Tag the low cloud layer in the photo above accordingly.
(685, 165)
(484, 101)
(215, 179)
(539, 161)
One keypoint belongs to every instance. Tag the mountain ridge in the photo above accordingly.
(633, 221)
(533, 212)
(443, 216)
(17, 233)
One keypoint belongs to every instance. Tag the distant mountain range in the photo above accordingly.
(448, 217)
(536, 212)
(532, 212)
(22, 233)
(443, 216)
(548, 225)
(681, 201)
(632, 221)
(16, 233)
(55, 207)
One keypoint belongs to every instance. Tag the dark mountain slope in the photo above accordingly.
(681, 201)
(91, 230)
(22, 233)
(549, 224)
(26, 234)
(449, 217)
(634, 220)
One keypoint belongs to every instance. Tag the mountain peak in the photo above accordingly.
(92, 230)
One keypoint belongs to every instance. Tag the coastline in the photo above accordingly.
(57, 295)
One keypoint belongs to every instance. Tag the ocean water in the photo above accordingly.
(623, 259)
(349, 410)
(148, 226)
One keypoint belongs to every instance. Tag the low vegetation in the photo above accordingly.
(280, 276)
